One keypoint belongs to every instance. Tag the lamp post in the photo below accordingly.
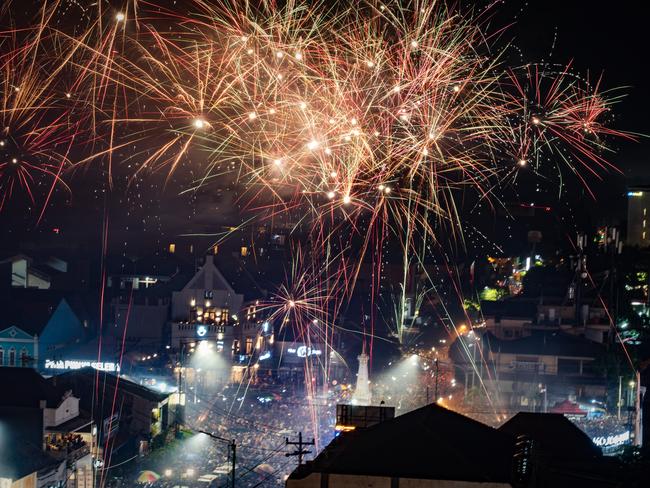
(181, 360)
(233, 447)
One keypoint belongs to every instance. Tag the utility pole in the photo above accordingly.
(619, 404)
(638, 441)
(179, 405)
(300, 452)
(233, 447)
(580, 275)
(436, 384)
(233, 450)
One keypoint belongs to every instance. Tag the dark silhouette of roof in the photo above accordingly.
(29, 310)
(27, 389)
(519, 307)
(82, 381)
(20, 435)
(428, 443)
(546, 343)
(556, 434)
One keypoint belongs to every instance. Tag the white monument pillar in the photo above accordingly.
(362, 395)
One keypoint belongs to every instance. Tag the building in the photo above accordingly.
(23, 462)
(21, 271)
(57, 439)
(428, 447)
(551, 451)
(205, 308)
(140, 293)
(433, 447)
(534, 372)
(638, 220)
(143, 416)
(35, 324)
(519, 317)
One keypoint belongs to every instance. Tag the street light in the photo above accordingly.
(233, 448)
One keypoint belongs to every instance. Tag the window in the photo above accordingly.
(244, 251)
(249, 345)
(2, 356)
(24, 359)
(12, 357)
(172, 248)
(568, 366)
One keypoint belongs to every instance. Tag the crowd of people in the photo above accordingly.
(263, 419)
(259, 420)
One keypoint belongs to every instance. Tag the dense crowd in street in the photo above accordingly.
(261, 417)
(259, 421)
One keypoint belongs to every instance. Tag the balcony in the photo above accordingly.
(70, 447)
(528, 366)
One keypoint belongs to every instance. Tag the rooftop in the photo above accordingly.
(27, 389)
(81, 382)
(556, 434)
(20, 454)
(429, 443)
(549, 343)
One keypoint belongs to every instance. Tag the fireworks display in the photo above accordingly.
(362, 122)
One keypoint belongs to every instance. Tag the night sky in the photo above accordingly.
(597, 37)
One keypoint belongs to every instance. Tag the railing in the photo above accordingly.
(528, 366)
(70, 452)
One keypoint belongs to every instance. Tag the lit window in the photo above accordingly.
(215, 249)
(172, 248)
(244, 251)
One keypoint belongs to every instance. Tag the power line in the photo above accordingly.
(300, 452)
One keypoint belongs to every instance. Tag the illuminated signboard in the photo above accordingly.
(612, 440)
(304, 351)
(634, 193)
(201, 330)
(79, 364)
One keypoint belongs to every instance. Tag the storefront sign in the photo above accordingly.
(304, 351)
(79, 364)
(612, 440)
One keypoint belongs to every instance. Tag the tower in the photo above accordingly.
(362, 394)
